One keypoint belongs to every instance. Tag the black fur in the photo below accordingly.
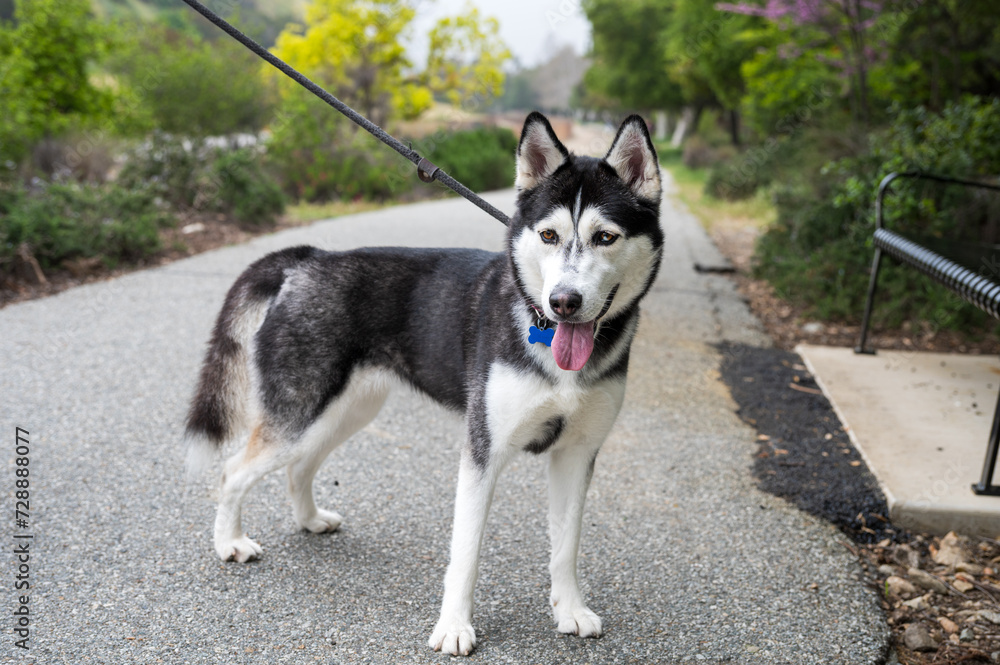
(436, 318)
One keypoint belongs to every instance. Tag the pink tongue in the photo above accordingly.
(572, 345)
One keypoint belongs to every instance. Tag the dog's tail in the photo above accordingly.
(221, 407)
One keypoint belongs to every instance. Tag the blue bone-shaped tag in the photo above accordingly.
(536, 335)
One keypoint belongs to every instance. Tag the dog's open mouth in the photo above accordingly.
(572, 344)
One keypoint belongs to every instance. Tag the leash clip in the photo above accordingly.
(426, 170)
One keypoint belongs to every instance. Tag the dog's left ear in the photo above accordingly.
(539, 153)
(633, 157)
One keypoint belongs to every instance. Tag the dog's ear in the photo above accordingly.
(633, 157)
(539, 152)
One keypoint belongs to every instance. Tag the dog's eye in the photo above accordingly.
(604, 238)
(549, 236)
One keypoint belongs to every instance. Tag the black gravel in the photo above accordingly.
(804, 455)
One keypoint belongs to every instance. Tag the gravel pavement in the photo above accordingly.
(684, 559)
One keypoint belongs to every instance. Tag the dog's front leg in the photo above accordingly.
(570, 470)
(454, 633)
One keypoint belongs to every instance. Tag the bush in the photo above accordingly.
(481, 159)
(63, 222)
(193, 87)
(191, 175)
(319, 156)
(244, 190)
(815, 254)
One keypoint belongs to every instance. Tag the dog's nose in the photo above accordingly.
(565, 303)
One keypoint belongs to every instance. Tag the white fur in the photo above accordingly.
(518, 406)
(352, 410)
(590, 269)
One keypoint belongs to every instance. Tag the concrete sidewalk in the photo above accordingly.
(921, 421)
(682, 557)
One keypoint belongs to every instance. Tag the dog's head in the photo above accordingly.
(585, 242)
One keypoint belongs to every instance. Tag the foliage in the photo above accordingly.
(482, 159)
(243, 188)
(354, 50)
(186, 85)
(465, 61)
(814, 256)
(45, 59)
(629, 62)
(194, 176)
(319, 156)
(63, 222)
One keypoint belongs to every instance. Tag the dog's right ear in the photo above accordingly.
(539, 153)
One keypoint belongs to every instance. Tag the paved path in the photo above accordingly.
(682, 556)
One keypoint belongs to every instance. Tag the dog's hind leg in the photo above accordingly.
(359, 404)
(570, 470)
(262, 454)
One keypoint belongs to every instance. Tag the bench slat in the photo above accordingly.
(975, 288)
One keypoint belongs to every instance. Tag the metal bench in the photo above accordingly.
(978, 289)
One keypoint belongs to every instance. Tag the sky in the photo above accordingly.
(533, 29)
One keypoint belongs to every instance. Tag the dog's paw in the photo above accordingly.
(577, 621)
(322, 521)
(240, 550)
(454, 636)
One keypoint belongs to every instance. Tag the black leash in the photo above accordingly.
(425, 169)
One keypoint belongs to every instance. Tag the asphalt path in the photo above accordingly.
(683, 558)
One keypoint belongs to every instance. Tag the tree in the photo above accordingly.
(629, 61)
(353, 49)
(465, 60)
(191, 86)
(838, 30)
(45, 86)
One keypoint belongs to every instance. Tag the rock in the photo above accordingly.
(952, 550)
(920, 603)
(812, 328)
(971, 568)
(887, 570)
(963, 586)
(897, 586)
(906, 556)
(926, 580)
(918, 638)
(947, 625)
(966, 635)
(197, 227)
(995, 656)
(988, 615)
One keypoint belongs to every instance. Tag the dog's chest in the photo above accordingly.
(526, 411)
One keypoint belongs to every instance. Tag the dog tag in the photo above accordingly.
(536, 335)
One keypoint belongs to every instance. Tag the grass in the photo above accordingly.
(304, 213)
(757, 212)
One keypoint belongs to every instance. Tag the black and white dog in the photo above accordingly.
(309, 342)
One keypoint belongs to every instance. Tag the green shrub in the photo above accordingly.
(166, 165)
(193, 87)
(319, 155)
(189, 175)
(818, 254)
(481, 159)
(62, 222)
(244, 190)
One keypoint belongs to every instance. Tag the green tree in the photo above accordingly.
(630, 63)
(46, 57)
(191, 86)
(466, 58)
(353, 49)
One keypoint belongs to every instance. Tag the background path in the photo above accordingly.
(682, 557)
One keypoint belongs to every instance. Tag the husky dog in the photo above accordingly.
(309, 342)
